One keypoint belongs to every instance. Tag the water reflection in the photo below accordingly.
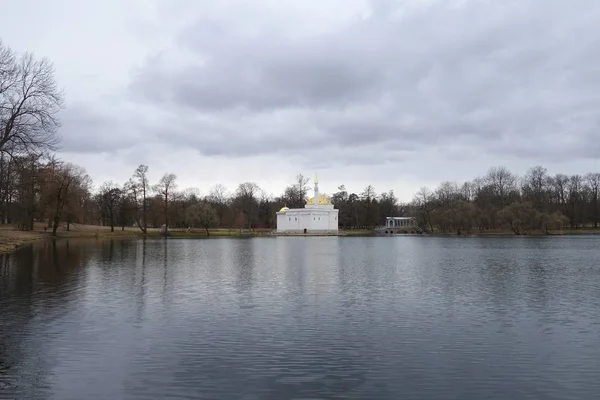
(243, 261)
(36, 289)
(279, 318)
(140, 287)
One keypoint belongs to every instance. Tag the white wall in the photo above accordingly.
(288, 221)
(319, 221)
(310, 219)
(333, 221)
(280, 222)
(304, 219)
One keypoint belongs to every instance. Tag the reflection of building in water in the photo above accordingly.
(317, 216)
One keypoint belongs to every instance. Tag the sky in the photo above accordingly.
(396, 94)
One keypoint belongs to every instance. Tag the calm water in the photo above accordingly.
(302, 318)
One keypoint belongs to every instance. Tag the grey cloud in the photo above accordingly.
(260, 74)
(499, 75)
(86, 130)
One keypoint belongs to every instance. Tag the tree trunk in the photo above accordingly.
(207, 231)
(144, 213)
(166, 210)
(55, 224)
(595, 210)
(142, 228)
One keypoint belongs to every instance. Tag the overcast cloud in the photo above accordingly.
(399, 94)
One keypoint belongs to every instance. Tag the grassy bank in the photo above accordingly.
(12, 238)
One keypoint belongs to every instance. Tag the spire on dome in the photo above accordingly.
(316, 178)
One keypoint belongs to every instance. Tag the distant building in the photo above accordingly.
(317, 216)
(400, 224)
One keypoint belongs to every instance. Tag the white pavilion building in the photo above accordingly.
(317, 216)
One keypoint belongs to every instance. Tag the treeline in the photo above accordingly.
(38, 189)
(537, 201)
(49, 190)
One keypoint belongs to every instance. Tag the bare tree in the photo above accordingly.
(29, 103)
(110, 198)
(447, 192)
(388, 205)
(138, 187)
(560, 189)
(502, 182)
(8, 68)
(301, 187)
(203, 215)
(191, 194)
(132, 192)
(164, 188)
(574, 199)
(26, 187)
(520, 217)
(535, 186)
(245, 197)
(62, 180)
(78, 197)
(294, 196)
(218, 197)
(422, 202)
(593, 181)
(467, 191)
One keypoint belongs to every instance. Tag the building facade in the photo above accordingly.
(400, 224)
(317, 216)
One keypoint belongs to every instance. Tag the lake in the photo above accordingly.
(302, 318)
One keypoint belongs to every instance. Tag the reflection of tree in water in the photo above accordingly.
(35, 283)
(243, 260)
(34, 269)
(140, 288)
(165, 278)
(8, 359)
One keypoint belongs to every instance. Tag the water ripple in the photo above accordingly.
(302, 318)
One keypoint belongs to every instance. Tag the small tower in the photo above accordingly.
(316, 190)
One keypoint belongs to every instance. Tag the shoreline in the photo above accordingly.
(12, 239)
(508, 233)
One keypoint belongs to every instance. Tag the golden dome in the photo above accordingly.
(322, 200)
(283, 209)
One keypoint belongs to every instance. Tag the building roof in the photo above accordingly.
(322, 200)
(399, 218)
